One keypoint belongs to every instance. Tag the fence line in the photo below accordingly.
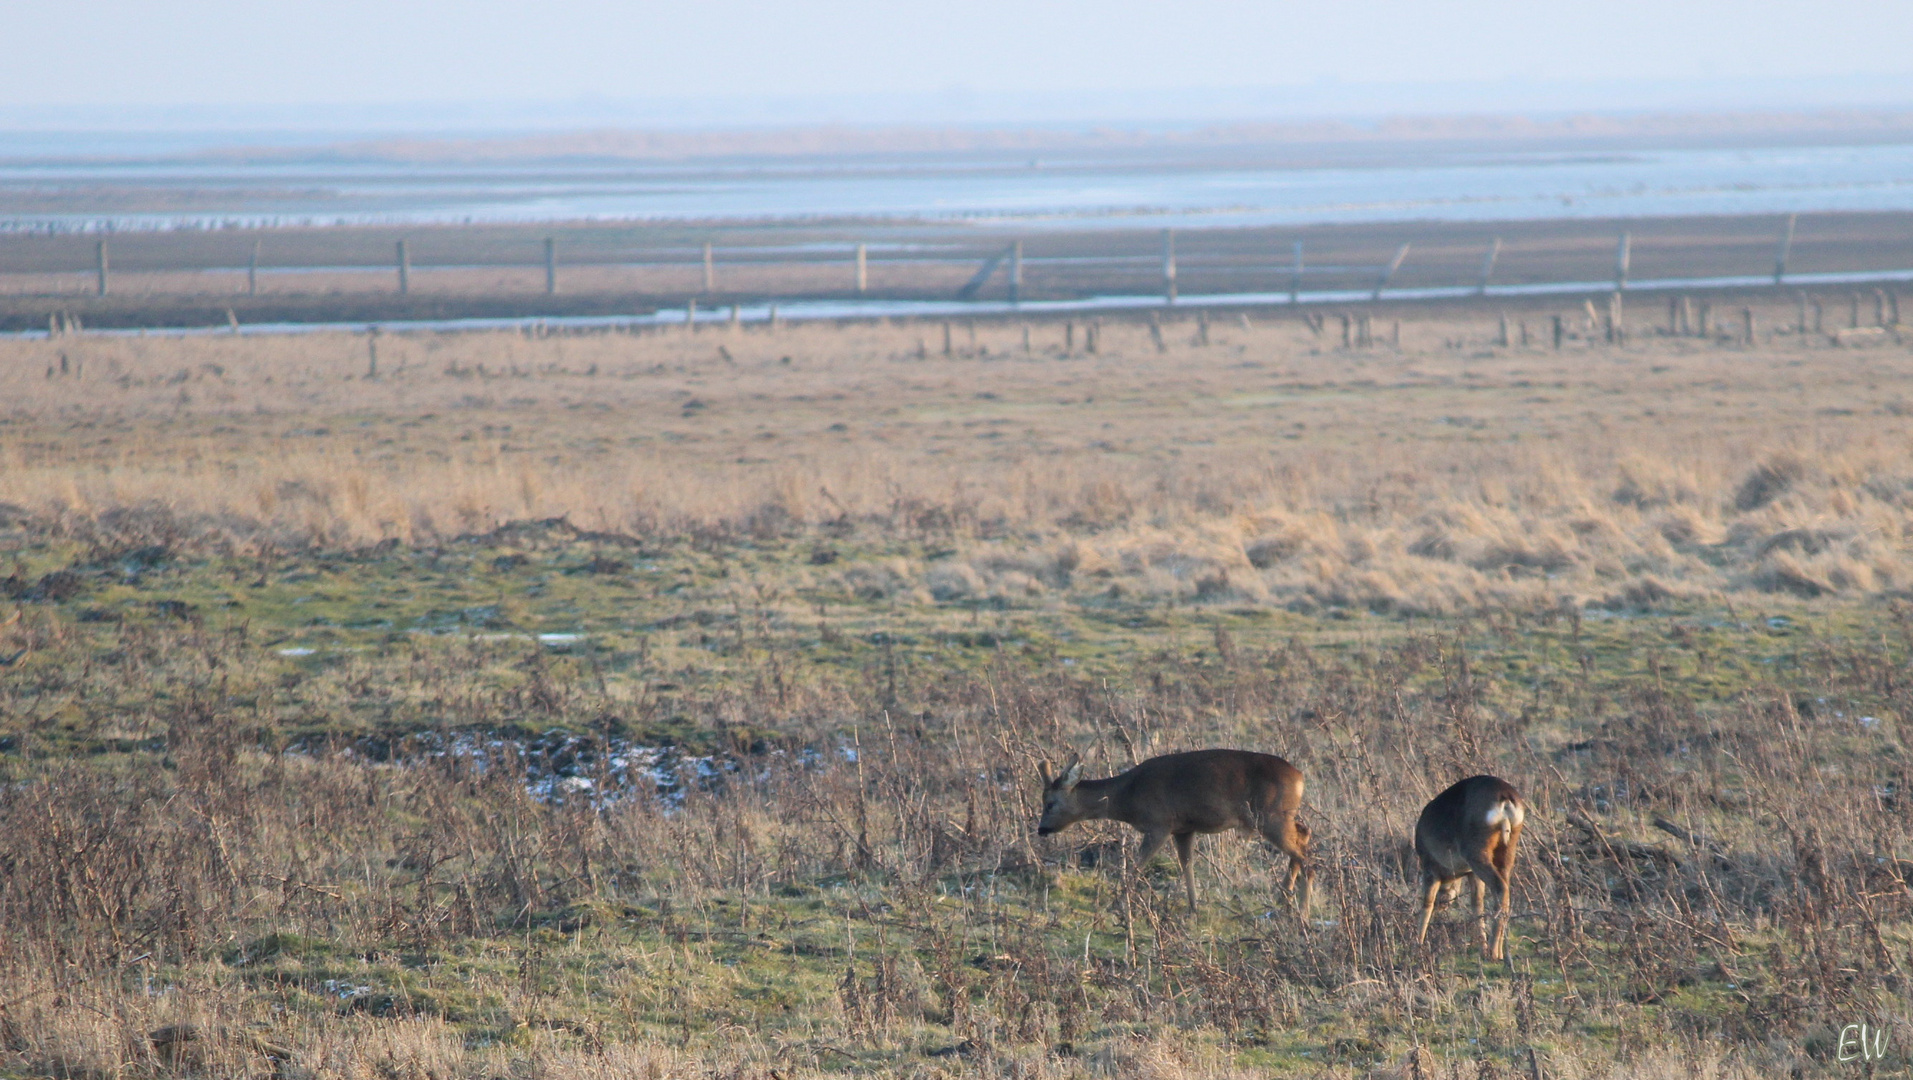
(774, 315)
(1176, 265)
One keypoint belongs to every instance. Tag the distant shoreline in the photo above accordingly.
(1164, 184)
(1288, 141)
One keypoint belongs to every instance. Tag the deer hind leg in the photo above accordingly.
(1291, 837)
(1186, 854)
(1503, 860)
(1486, 871)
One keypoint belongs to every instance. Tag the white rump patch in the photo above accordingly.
(1508, 814)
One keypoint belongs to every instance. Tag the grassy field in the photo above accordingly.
(674, 704)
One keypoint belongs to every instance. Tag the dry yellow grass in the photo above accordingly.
(1269, 466)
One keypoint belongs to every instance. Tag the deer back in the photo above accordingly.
(1206, 791)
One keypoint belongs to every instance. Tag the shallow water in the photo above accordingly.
(818, 310)
(1200, 188)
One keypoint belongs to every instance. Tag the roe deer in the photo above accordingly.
(1180, 795)
(1471, 828)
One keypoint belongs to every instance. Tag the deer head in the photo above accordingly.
(1062, 807)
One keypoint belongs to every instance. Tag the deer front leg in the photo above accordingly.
(1431, 889)
(1152, 843)
(1186, 853)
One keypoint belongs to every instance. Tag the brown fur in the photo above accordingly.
(1183, 795)
(1454, 839)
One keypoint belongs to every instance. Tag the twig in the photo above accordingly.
(1636, 850)
(1704, 843)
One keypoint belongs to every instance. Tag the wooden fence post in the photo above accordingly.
(947, 348)
(1704, 321)
(1169, 266)
(1488, 270)
(252, 271)
(1800, 313)
(99, 264)
(1879, 307)
(551, 266)
(1560, 332)
(1501, 336)
(1853, 312)
(1295, 276)
(1622, 255)
(1016, 275)
(1747, 325)
(405, 269)
(772, 318)
(1673, 316)
(1388, 272)
(863, 270)
(690, 314)
(1786, 248)
(372, 352)
(710, 270)
(1069, 338)
(737, 318)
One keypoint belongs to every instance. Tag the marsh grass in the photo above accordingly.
(857, 890)
(1266, 468)
(289, 792)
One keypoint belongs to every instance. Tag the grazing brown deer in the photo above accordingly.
(1181, 795)
(1471, 828)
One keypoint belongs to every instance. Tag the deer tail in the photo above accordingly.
(1507, 815)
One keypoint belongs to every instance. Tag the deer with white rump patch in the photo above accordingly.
(1182, 795)
(1470, 830)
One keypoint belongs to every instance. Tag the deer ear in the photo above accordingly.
(1042, 770)
(1072, 774)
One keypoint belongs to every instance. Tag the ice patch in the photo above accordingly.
(345, 991)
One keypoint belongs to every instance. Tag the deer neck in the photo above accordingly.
(1095, 796)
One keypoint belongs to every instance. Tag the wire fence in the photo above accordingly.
(1127, 265)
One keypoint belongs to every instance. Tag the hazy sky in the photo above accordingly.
(141, 53)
